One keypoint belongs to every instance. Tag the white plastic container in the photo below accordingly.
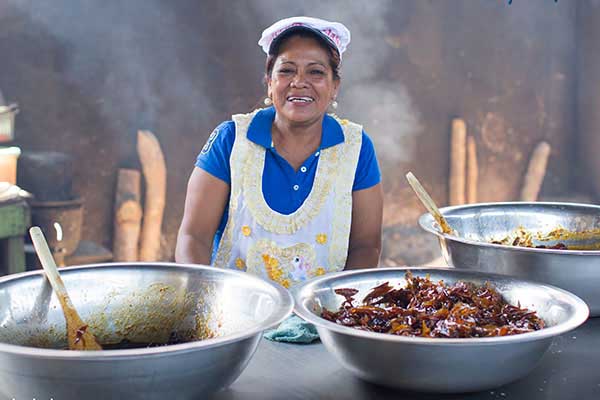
(7, 122)
(8, 164)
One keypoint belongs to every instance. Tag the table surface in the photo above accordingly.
(570, 369)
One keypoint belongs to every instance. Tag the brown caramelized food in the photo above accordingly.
(517, 242)
(126, 344)
(578, 240)
(429, 309)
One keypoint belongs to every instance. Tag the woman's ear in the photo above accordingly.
(336, 88)
(268, 80)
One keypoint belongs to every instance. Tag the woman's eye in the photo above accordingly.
(317, 72)
(285, 71)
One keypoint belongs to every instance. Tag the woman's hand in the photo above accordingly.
(204, 205)
(365, 233)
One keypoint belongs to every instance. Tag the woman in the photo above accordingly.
(287, 192)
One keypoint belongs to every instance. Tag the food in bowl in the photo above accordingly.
(126, 344)
(434, 309)
(555, 239)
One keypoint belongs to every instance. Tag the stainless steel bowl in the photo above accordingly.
(143, 303)
(478, 224)
(438, 364)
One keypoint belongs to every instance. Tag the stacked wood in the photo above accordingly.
(472, 170)
(464, 169)
(457, 162)
(128, 216)
(536, 171)
(155, 178)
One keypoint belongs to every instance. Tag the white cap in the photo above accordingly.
(333, 32)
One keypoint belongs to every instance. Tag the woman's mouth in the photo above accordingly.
(300, 99)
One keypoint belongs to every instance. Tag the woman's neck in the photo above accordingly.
(303, 131)
(295, 142)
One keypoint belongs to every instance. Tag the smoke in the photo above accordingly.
(387, 115)
(131, 63)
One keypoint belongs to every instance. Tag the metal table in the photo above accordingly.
(569, 370)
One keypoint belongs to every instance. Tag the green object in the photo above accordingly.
(14, 221)
(293, 330)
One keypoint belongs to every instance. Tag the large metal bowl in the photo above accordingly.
(143, 303)
(478, 224)
(438, 364)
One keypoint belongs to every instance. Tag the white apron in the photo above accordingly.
(311, 241)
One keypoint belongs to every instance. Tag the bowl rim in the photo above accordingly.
(284, 302)
(426, 223)
(300, 294)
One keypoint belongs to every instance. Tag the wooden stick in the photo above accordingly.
(428, 202)
(79, 335)
(155, 177)
(535, 172)
(472, 170)
(128, 216)
(457, 162)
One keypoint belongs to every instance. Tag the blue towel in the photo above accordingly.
(293, 330)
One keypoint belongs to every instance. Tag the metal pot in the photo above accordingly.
(478, 225)
(61, 222)
(222, 312)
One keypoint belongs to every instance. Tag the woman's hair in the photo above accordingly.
(334, 57)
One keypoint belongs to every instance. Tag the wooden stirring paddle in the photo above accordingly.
(79, 336)
(429, 203)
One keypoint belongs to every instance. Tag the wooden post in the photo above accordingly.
(457, 162)
(155, 178)
(128, 216)
(472, 170)
(535, 172)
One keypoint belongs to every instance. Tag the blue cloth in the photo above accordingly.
(293, 330)
(279, 177)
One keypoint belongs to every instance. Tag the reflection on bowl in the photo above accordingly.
(218, 316)
(438, 364)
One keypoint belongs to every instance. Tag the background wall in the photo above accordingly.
(89, 74)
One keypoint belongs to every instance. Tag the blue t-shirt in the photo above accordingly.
(284, 189)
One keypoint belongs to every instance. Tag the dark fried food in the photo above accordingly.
(428, 309)
(557, 246)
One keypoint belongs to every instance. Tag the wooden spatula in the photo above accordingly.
(429, 203)
(79, 336)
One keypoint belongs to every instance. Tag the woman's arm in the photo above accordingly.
(365, 233)
(204, 205)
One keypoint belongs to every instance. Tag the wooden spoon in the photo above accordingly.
(428, 203)
(79, 336)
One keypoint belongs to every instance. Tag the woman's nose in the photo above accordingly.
(298, 80)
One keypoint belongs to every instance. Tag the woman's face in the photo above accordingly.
(302, 84)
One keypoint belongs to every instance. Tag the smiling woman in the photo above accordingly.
(288, 192)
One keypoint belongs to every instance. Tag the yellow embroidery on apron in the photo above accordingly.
(288, 265)
(321, 238)
(240, 264)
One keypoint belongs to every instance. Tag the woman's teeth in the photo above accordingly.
(301, 99)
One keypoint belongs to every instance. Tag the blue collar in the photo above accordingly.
(259, 130)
